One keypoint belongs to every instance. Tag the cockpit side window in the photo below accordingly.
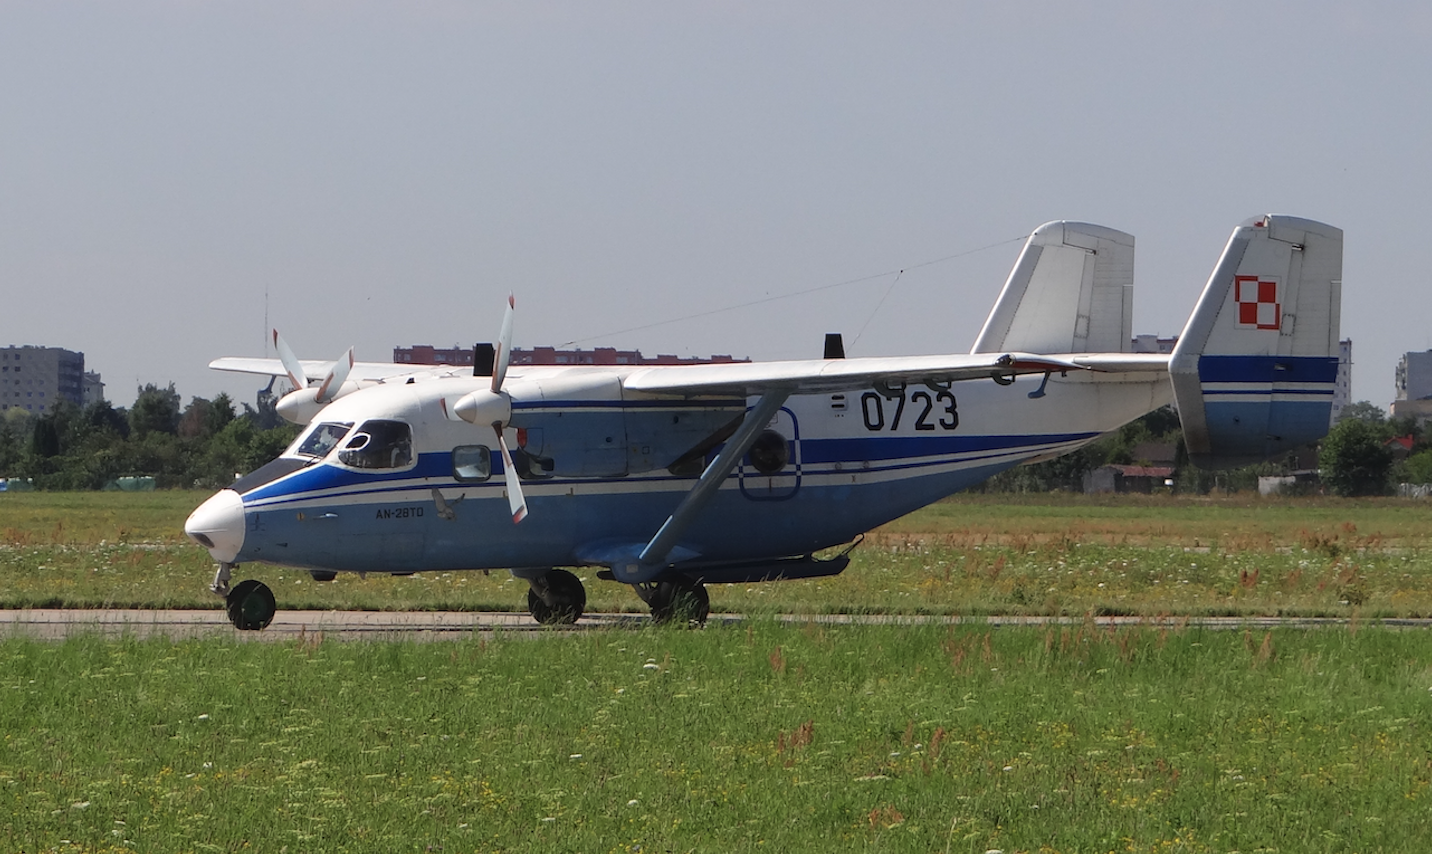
(471, 463)
(322, 439)
(379, 444)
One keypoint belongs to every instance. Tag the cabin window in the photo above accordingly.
(379, 444)
(322, 439)
(770, 453)
(471, 463)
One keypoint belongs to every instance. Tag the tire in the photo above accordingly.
(251, 606)
(567, 596)
(681, 602)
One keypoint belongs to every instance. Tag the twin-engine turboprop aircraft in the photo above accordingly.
(670, 478)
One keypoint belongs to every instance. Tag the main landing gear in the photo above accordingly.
(676, 601)
(556, 598)
(250, 603)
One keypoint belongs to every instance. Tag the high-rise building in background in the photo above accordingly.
(1413, 385)
(1342, 387)
(35, 379)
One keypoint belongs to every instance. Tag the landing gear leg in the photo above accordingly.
(221, 579)
(556, 598)
(679, 601)
(251, 605)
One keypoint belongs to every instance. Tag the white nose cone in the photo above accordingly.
(218, 525)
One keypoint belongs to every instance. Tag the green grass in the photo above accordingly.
(749, 737)
(970, 555)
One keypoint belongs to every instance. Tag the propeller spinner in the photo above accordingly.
(300, 405)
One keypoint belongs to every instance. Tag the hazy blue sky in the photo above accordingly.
(388, 172)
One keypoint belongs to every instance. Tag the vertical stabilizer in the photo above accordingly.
(1071, 291)
(1255, 368)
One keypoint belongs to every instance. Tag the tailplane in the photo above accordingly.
(1254, 370)
(1071, 291)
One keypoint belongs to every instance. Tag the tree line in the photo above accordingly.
(202, 445)
(208, 443)
(1354, 459)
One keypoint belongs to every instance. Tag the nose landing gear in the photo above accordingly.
(250, 604)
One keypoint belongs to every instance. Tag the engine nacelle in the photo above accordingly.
(300, 405)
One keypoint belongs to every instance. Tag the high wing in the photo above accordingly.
(1120, 363)
(816, 376)
(274, 368)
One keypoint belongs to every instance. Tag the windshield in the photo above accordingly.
(379, 444)
(322, 439)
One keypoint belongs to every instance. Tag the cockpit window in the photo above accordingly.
(379, 445)
(471, 463)
(322, 439)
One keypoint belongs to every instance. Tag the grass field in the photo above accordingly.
(751, 737)
(759, 735)
(969, 555)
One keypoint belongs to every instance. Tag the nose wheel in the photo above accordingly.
(251, 605)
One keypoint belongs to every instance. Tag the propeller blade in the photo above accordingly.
(336, 376)
(504, 346)
(515, 499)
(290, 362)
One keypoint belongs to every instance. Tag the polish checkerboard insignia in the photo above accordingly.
(1258, 304)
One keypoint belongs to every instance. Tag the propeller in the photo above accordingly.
(290, 362)
(300, 405)
(494, 407)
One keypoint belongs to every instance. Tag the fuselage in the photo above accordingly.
(387, 479)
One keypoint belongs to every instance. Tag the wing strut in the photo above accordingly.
(650, 562)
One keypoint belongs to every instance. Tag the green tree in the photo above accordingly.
(1416, 468)
(194, 423)
(46, 439)
(1362, 411)
(1354, 459)
(156, 410)
(105, 418)
(221, 412)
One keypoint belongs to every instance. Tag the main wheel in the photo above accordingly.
(251, 605)
(680, 601)
(561, 600)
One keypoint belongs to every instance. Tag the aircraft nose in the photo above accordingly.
(218, 525)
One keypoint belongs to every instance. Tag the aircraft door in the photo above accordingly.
(771, 470)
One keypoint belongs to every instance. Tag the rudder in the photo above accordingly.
(1255, 368)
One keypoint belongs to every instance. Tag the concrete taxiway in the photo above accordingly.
(57, 624)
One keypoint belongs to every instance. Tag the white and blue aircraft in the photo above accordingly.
(669, 478)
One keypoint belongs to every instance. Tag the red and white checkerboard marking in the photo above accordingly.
(1258, 304)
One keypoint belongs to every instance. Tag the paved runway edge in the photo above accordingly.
(58, 623)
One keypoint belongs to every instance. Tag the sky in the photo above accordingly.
(177, 176)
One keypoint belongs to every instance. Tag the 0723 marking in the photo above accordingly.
(932, 411)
